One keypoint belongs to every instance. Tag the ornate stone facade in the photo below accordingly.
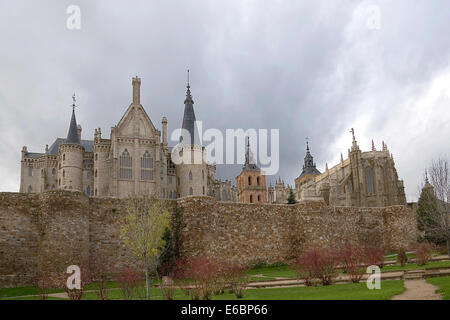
(365, 179)
(135, 160)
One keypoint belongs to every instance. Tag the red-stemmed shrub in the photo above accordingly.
(317, 263)
(424, 252)
(236, 279)
(352, 260)
(200, 276)
(374, 256)
(100, 274)
(129, 280)
(46, 281)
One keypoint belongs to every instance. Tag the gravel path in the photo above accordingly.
(418, 290)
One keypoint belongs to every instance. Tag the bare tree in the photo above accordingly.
(434, 207)
(143, 229)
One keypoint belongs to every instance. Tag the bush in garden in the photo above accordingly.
(204, 273)
(402, 258)
(352, 260)
(236, 279)
(424, 252)
(374, 256)
(85, 277)
(129, 280)
(100, 274)
(45, 281)
(317, 263)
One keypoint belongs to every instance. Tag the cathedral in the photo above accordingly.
(135, 161)
(364, 179)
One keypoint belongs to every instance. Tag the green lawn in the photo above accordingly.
(412, 266)
(351, 291)
(444, 286)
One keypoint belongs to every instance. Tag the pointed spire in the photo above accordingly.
(373, 146)
(354, 143)
(342, 158)
(247, 152)
(309, 167)
(72, 135)
(189, 120)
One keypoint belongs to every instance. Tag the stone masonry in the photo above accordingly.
(60, 228)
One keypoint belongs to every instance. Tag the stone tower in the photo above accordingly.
(251, 182)
(71, 154)
(191, 169)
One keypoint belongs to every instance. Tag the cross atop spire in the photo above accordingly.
(188, 86)
(74, 100)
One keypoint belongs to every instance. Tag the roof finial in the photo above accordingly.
(188, 85)
(353, 133)
(307, 143)
(426, 176)
(74, 100)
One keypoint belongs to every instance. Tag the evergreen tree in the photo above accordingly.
(291, 198)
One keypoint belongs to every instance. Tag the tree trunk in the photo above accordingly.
(147, 283)
(448, 247)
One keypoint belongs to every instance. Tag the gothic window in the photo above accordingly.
(96, 156)
(42, 173)
(224, 195)
(59, 182)
(169, 180)
(191, 191)
(203, 190)
(126, 166)
(249, 181)
(53, 187)
(53, 171)
(64, 173)
(60, 166)
(203, 174)
(146, 166)
(64, 157)
(89, 174)
(349, 186)
(30, 171)
(30, 189)
(369, 181)
(190, 175)
(96, 192)
(88, 190)
(257, 181)
(259, 198)
(251, 198)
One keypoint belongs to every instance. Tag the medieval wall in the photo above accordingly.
(61, 228)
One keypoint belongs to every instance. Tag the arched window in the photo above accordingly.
(259, 198)
(203, 190)
(30, 189)
(126, 166)
(191, 191)
(369, 181)
(64, 157)
(96, 192)
(224, 195)
(30, 171)
(249, 181)
(203, 174)
(146, 166)
(190, 175)
(251, 198)
(88, 190)
(59, 182)
(64, 173)
(96, 156)
(257, 181)
(53, 171)
(53, 187)
(349, 186)
(96, 173)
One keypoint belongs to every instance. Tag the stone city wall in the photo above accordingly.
(61, 228)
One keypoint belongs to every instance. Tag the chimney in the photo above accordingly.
(79, 132)
(136, 90)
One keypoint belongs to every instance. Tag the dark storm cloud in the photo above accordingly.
(309, 68)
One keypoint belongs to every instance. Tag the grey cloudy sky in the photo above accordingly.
(309, 68)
